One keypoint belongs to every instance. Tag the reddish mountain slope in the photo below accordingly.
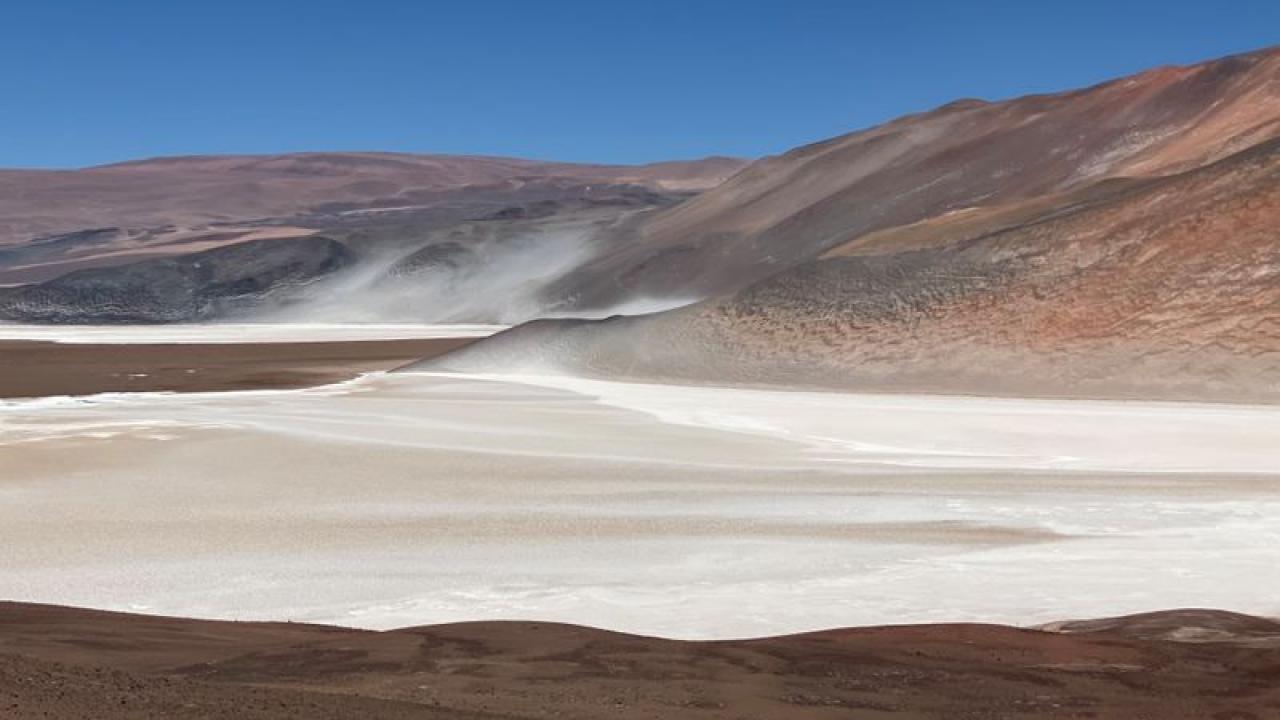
(1122, 240)
(968, 156)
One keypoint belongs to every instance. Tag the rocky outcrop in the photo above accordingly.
(222, 282)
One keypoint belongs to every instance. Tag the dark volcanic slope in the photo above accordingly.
(504, 244)
(187, 288)
(65, 663)
(1122, 240)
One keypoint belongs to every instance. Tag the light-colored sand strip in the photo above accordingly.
(815, 430)
(237, 333)
(956, 432)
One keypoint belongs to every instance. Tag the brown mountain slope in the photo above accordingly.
(68, 663)
(1066, 282)
(1026, 156)
(1170, 289)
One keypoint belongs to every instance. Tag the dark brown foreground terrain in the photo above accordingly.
(39, 369)
(64, 663)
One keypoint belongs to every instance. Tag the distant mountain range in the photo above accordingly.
(350, 236)
(1119, 240)
(194, 192)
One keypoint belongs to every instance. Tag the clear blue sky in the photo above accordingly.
(93, 81)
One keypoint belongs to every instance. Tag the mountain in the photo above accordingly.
(1120, 240)
(84, 245)
(970, 164)
(202, 190)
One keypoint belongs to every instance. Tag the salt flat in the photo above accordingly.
(687, 512)
(237, 333)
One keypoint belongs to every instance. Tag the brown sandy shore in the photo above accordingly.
(37, 369)
(63, 663)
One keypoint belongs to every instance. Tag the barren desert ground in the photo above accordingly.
(41, 361)
(1187, 665)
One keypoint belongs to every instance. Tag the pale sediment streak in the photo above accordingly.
(961, 432)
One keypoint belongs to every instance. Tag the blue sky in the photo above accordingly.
(86, 82)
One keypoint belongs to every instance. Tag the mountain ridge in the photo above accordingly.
(1031, 247)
